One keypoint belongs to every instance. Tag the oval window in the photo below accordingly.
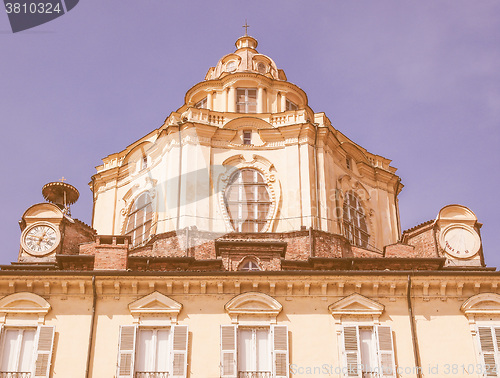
(261, 67)
(247, 200)
(231, 66)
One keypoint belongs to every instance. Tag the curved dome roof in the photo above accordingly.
(245, 59)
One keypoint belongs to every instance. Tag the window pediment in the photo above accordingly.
(155, 305)
(482, 304)
(356, 304)
(26, 308)
(27, 303)
(249, 306)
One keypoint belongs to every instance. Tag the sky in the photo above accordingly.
(417, 82)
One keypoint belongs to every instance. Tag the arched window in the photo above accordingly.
(247, 200)
(140, 219)
(249, 265)
(354, 221)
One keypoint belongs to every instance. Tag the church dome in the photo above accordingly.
(246, 58)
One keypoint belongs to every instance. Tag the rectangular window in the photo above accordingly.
(18, 347)
(246, 100)
(290, 105)
(247, 136)
(368, 352)
(201, 104)
(152, 352)
(254, 352)
(348, 162)
(26, 352)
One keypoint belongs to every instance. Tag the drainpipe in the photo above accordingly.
(92, 326)
(416, 352)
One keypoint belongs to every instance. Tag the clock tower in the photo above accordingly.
(47, 227)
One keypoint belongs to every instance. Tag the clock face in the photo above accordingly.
(460, 241)
(40, 239)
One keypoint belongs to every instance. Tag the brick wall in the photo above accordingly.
(298, 246)
(111, 252)
(422, 238)
(330, 245)
(74, 235)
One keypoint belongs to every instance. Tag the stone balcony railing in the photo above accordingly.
(210, 117)
(254, 374)
(151, 374)
(12, 374)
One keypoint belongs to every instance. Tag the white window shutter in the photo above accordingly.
(179, 351)
(228, 351)
(487, 342)
(351, 353)
(43, 351)
(385, 349)
(126, 351)
(280, 351)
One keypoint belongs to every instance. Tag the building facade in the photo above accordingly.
(246, 238)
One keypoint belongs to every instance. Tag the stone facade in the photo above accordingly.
(246, 216)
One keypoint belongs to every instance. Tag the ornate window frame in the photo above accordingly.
(268, 171)
(254, 311)
(483, 313)
(156, 312)
(347, 184)
(352, 314)
(26, 311)
(131, 196)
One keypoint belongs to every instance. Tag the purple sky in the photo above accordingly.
(417, 82)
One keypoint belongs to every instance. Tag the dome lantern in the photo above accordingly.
(246, 42)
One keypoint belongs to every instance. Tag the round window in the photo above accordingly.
(261, 67)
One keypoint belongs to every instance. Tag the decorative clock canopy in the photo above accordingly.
(60, 193)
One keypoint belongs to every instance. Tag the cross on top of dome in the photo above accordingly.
(246, 26)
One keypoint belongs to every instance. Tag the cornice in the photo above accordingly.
(386, 287)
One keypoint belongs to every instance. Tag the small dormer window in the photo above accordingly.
(144, 162)
(201, 104)
(261, 68)
(247, 136)
(249, 265)
(290, 105)
(231, 66)
(348, 163)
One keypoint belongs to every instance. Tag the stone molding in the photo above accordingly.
(155, 305)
